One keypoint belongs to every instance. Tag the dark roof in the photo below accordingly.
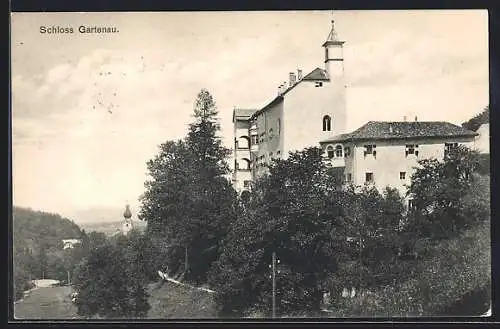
(317, 74)
(243, 114)
(380, 130)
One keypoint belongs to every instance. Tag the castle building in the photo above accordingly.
(308, 109)
(386, 153)
(311, 111)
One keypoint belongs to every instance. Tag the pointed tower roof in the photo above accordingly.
(333, 38)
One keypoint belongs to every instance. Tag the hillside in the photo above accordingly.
(171, 301)
(456, 274)
(38, 247)
(33, 229)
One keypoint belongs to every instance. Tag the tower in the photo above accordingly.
(127, 223)
(335, 118)
(334, 54)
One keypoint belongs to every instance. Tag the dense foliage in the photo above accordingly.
(301, 211)
(38, 247)
(452, 270)
(111, 281)
(475, 122)
(448, 233)
(188, 202)
(438, 189)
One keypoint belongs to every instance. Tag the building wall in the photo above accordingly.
(270, 143)
(305, 107)
(391, 160)
(482, 142)
(241, 153)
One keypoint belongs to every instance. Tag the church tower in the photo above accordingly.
(127, 223)
(334, 54)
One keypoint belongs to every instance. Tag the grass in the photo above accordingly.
(46, 303)
(171, 301)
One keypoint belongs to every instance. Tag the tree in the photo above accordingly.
(96, 239)
(478, 120)
(43, 260)
(110, 282)
(437, 189)
(189, 202)
(370, 228)
(293, 211)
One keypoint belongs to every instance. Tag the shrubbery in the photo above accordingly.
(111, 281)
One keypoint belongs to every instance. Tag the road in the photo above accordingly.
(46, 303)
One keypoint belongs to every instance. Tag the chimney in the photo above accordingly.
(299, 74)
(293, 79)
(280, 89)
(416, 118)
(404, 118)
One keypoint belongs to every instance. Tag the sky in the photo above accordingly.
(89, 110)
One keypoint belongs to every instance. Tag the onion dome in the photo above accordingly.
(127, 214)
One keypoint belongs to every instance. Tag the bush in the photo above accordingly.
(458, 267)
(111, 282)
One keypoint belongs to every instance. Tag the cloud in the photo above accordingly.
(401, 57)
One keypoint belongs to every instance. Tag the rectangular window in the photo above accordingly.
(246, 183)
(347, 151)
(411, 149)
(402, 175)
(318, 84)
(449, 146)
(369, 177)
(370, 149)
(348, 178)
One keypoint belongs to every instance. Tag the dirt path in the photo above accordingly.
(46, 303)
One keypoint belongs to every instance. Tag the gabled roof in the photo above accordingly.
(243, 114)
(314, 75)
(384, 130)
(317, 74)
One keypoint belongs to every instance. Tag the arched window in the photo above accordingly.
(327, 123)
(244, 142)
(338, 151)
(247, 163)
(330, 152)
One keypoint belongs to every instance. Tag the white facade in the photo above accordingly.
(70, 243)
(388, 163)
(309, 109)
(482, 141)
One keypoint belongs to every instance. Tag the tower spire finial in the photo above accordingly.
(332, 36)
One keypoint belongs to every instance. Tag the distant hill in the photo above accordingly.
(33, 229)
(38, 247)
(110, 227)
(97, 215)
